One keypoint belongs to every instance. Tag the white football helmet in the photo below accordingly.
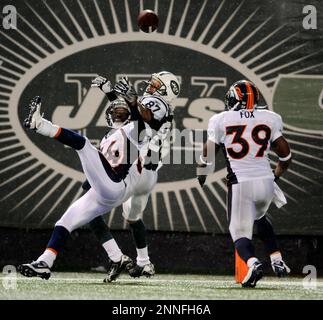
(117, 113)
(164, 84)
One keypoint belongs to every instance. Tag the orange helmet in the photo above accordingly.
(243, 94)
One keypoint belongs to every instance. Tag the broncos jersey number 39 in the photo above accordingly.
(260, 134)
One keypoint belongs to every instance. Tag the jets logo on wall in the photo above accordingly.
(59, 47)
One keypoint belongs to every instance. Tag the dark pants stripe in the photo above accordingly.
(229, 203)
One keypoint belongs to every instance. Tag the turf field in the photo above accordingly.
(161, 287)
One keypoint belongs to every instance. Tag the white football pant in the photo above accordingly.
(248, 201)
(104, 194)
(133, 208)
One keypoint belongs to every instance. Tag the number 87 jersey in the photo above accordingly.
(245, 137)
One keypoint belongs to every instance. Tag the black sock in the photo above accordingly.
(139, 233)
(267, 235)
(245, 248)
(58, 238)
(71, 139)
(100, 229)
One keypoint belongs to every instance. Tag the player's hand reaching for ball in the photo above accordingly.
(125, 90)
(102, 83)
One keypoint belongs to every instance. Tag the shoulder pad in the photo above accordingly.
(157, 105)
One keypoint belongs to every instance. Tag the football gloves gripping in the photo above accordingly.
(102, 83)
(125, 90)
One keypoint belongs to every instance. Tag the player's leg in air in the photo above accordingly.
(108, 189)
(267, 235)
(247, 202)
(132, 212)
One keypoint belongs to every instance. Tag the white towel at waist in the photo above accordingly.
(279, 197)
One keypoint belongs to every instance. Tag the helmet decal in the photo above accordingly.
(243, 94)
(164, 84)
(174, 87)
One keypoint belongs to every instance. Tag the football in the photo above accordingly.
(147, 21)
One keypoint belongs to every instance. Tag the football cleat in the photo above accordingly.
(148, 270)
(255, 273)
(34, 116)
(280, 268)
(35, 120)
(116, 268)
(35, 269)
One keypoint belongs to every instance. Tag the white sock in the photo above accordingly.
(48, 256)
(112, 250)
(251, 261)
(46, 128)
(276, 257)
(142, 257)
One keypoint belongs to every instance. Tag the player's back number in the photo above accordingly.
(240, 139)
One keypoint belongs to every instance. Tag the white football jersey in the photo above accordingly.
(114, 142)
(246, 137)
(114, 145)
(157, 105)
(163, 112)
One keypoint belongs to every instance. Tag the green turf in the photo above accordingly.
(160, 287)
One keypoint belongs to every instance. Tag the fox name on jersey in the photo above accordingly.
(245, 137)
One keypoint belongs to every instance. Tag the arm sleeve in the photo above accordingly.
(277, 128)
(111, 96)
(214, 129)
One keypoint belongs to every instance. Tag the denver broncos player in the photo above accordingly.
(114, 172)
(118, 114)
(245, 133)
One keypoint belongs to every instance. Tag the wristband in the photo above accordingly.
(204, 162)
(286, 158)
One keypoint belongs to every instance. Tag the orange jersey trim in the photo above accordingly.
(58, 132)
(52, 250)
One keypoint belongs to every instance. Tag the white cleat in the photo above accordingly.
(280, 268)
(35, 269)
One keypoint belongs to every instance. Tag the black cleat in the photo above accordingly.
(117, 267)
(35, 269)
(148, 270)
(254, 274)
(280, 268)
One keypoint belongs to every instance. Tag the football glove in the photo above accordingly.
(86, 185)
(201, 177)
(125, 90)
(276, 178)
(102, 83)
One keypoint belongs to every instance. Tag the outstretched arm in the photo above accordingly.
(105, 85)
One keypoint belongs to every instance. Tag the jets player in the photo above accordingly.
(114, 172)
(246, 133)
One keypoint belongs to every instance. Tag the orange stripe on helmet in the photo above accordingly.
(250, 96)
(238, 90)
